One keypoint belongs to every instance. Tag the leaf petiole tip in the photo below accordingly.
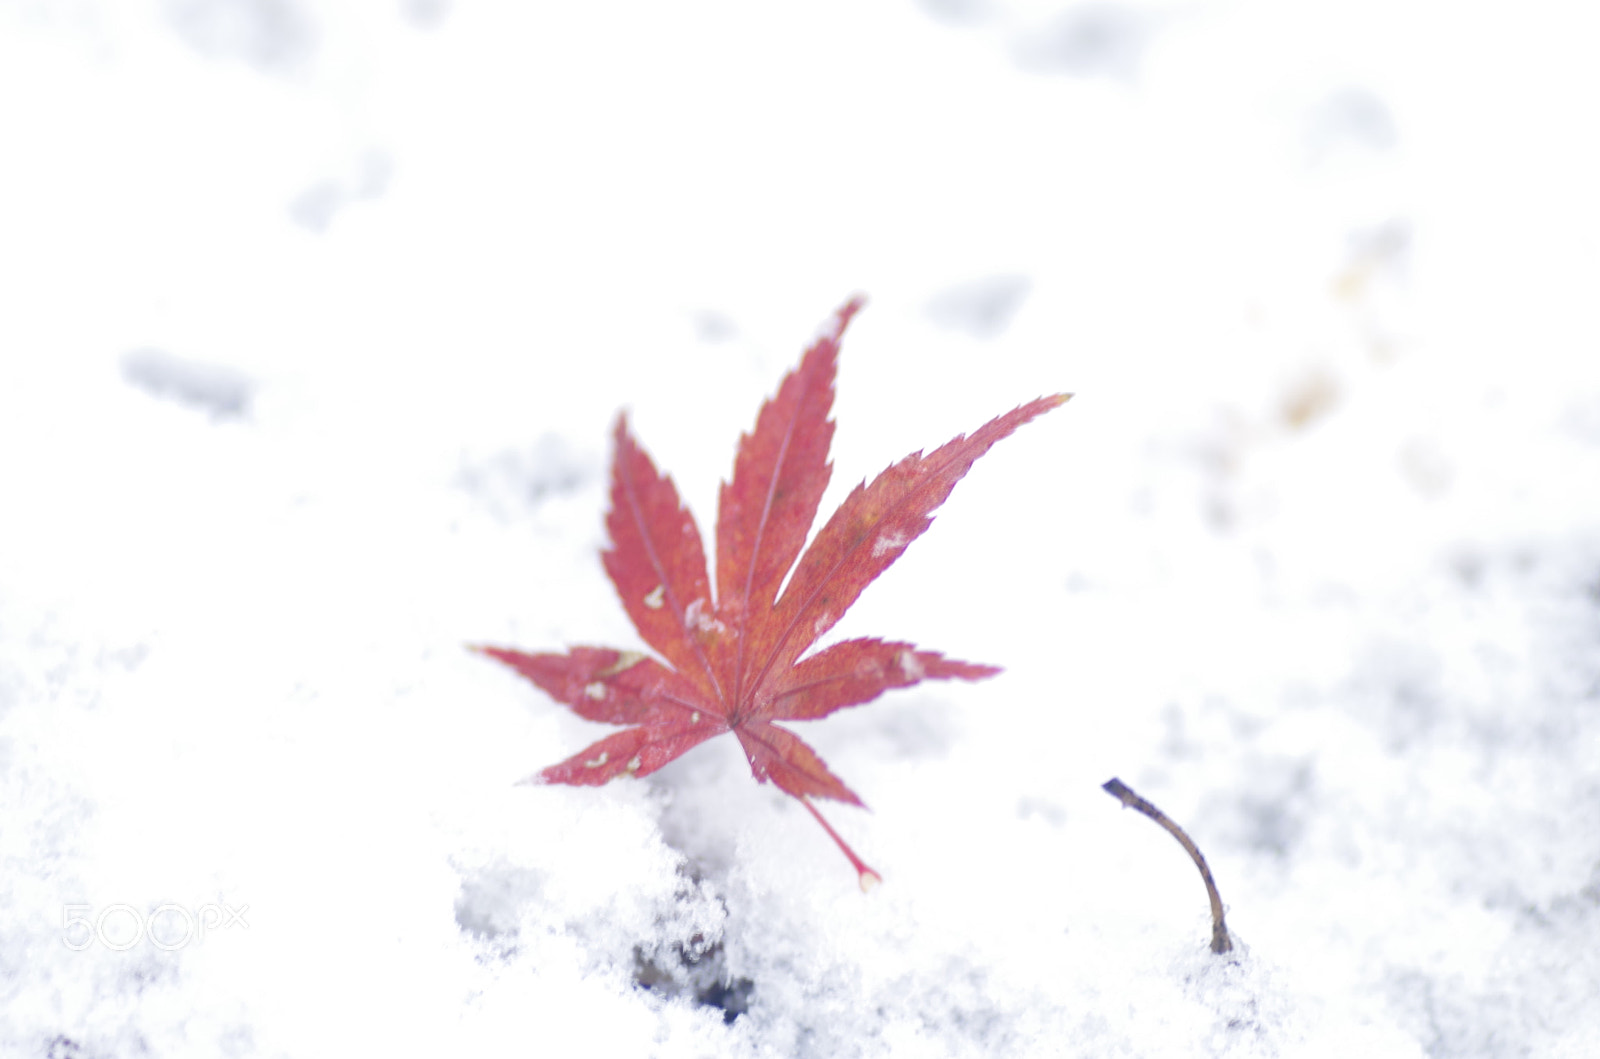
(868, 877)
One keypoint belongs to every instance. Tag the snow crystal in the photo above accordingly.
(889, 542)
(910, 666)
(698, 616)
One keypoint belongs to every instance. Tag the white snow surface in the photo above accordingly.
(314, 321)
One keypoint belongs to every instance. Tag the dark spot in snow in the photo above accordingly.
(1311, 396)
(1468, 567)
(271, 35)
(956, 11)
(1582, 417)
(1089, 40)
(912, 726)
(712, 326)
(694, 968)
(517, 480)
(425, 14)
(732, 997)
(1352, 118)
(695, 965)
(982, 308)
(1398, 686)
(63, 1047)
(316, 206)
(491, 902)
(1270, 815)
(213, 388)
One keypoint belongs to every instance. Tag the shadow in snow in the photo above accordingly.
(213, 388)
(1089, 40)
(981, 308)
(315, 208)
(271, 35)
(519, 480)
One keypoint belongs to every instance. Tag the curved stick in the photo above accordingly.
(1123, 793)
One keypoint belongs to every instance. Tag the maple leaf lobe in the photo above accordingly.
(856, 671)
(733, 663)
(656, 560)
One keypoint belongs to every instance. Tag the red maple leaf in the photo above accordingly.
(733, 659)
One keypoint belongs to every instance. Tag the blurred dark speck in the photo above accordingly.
(957, 12)
(1272, 814)
(316, 206)
(513, 482)
(712, 326)
(425, 14)
(982, 308)
(222, 391)
(271, 35)
(1350, 119)
(1088, 40)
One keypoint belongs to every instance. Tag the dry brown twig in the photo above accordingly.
(1220, 942)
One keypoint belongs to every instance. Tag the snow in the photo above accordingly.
(314, 320)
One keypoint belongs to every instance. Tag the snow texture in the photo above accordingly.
(314, 319)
